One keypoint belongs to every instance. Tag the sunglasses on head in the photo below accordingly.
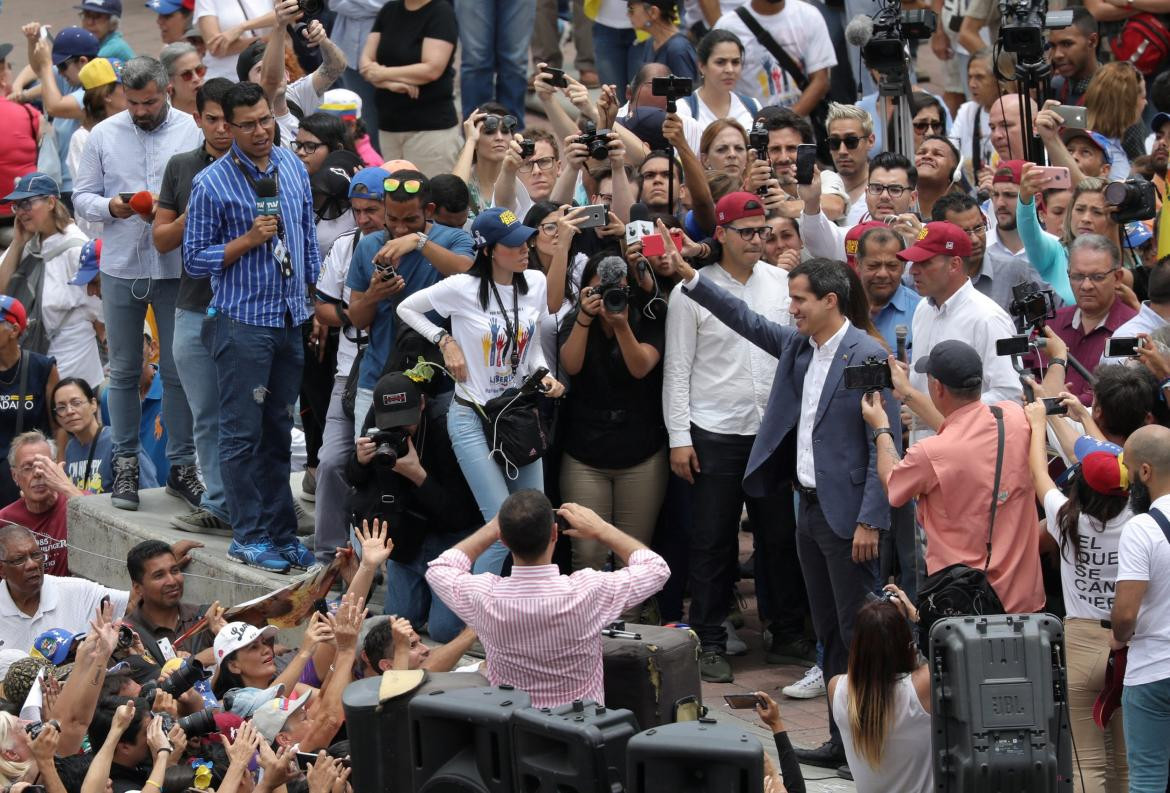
(492, 123)
(851, 142)
(392, 185)
(190, 74)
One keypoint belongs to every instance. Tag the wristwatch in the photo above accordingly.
(422, 240)
(1058, 361)
(882, 431)
(437, 340)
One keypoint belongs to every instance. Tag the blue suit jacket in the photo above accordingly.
(846, 460)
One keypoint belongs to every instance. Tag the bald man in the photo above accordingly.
(1007, 130)
(1141, 609)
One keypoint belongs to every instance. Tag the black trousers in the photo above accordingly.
(837, 587)
(718, 502)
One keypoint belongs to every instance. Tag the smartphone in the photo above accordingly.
(652, 244)
(1073, 116)
(387, 271)
(741, 701)
(556, 78)
(594, 216)
(304, 758)
(806, 160)
(1054, 406)
(46, 33)
(1122, 347)
(1058, 178)
(1012, 345)
(126, 197)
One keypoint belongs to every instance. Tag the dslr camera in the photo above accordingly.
(528, 149)
(672, 88)
(596, 141)
(1031, 306)
(389, 445)
(614, 297)
(195, 725)
(872, 375)
(1133, 199)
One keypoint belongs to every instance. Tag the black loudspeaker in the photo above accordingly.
(461, 741)
(379, 733)
(577, 748)
(1000, 706)
(695, 757)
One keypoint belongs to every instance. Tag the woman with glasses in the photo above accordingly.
(929, 117)
(408, 57)
(37, 373)
(186, 70)
(488, 137)
(720, 58)
(318, 135)
(89, 452)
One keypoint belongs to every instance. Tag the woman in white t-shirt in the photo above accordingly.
(720, 55)
(228, 27)
(1085, 527)
(555, 228)
(496, 311)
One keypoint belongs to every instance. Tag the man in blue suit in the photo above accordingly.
(843, 508)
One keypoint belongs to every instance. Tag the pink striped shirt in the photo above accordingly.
(541, 630)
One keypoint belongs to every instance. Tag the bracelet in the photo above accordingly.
(583, 324)
(151, 782)
(1058, 362)
(882, 431)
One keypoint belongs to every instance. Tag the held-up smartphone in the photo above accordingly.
(1012, 345)
(594, 216)
(556, 77)
(125, 197)
(46, 33)
(741, 701)
(1054, 406)
(1058, 178)
(652, 244)
(806, 161)
(1073, 116)
(1123, 347)
(304, 758)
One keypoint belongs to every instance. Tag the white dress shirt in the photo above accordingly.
(1146, 321)
(68, 603)
(974, 318)
(822, 237)
(714, 377)
(810, 401)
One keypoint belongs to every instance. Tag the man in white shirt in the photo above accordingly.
(32, 602)
(716, 388)
(1141, 609)
(953, 309)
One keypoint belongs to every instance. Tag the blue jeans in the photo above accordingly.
(353, 80)
(363, 400)
(408, 595)
(494, 37)
(488, 483)
(259, 373)
(613, 53)
(337, 444)
(125, 301)
(1146, 710)
(200, 383)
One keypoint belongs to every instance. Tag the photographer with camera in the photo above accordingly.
(404, 472)
(489, 136)
(135, 750)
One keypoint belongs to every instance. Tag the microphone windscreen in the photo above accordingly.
(142, 202)
(266, 188)
(859, 30)
(612, 269)
(639, 211)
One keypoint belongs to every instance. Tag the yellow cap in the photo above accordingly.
(98, 72)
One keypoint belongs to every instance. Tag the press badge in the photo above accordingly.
(282, 257)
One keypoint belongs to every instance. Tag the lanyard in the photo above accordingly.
(281, 253)
(511, 328)
(89, 461)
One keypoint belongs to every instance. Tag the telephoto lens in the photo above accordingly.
(198, 724)
(187, 675)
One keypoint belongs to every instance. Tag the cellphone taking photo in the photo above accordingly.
(593, 216)
(652, 244)
(556, 77)
(1013, 345)
(1123, 346)
(1058, 177)
(806, 161)
(1074, 117)
(741, 701)
(1054, 406)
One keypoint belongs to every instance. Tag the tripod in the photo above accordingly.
(894, 87)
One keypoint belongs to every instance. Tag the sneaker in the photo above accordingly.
(713, 668)
(297, 555)
(124, 492)
(183, 482)
(201, 521)
(798, 652)
(262, 555)
(811, 686)
(309, 486)
(735, 645)
(305, 522)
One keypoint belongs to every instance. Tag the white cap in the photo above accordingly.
(270, 717)
(238, 635)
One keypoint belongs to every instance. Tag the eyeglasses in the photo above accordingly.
(392, 185)
(190, 74)
(25, 204)
(72, 404)
(248, 127)
(895, 190)
(505, 124)
(922, 126)
(1096, 278)
(975, 231)
(307, 146)
(543, 164)
(37, 557)
(851, 142)
(549, 228)
(745, 234)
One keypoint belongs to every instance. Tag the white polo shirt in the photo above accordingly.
(68, 603)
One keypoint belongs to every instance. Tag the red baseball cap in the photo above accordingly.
(853, 239)
(1103, 471)
(734, 206)
(937, 239)
(1010, 171)
(12, 310)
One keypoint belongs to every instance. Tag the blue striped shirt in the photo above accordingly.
(222, 207)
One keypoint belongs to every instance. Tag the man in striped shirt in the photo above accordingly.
(263, 260)
(542, 630)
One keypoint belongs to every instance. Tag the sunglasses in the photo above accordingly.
(392, 185)
(190, 74)
(493, 123)
(922, 126)
(851, 142)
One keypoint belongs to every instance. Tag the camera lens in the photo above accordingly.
(125, 637)
(183, 678)
(615, 299)
(197, 724)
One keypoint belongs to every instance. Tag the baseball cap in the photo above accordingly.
(251, 55)
(853, 239)
(54, 645)
(99, 72)
(32, 185)
(368, 183)
(110, 7)
(270, 717)
(334, 177)
(499, 226)
(170, 6)
(91, 258)
(12, 310)
(1096, 138)
(1159, 120)
(737, 205)
(935, 239)
(21, 675)
(236, 636)
(343, 103)
(646, 123)
(73, 42)
(1137, 233)
(246, 701)
(953, 363)
(1103, 471)
(1010, 171)
(1087, 444)
(397, 401)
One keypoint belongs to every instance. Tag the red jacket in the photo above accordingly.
(18, 155)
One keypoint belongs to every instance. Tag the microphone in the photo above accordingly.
(900, 333)
(611, 269)
(639, 225)
(142, 202)
(859, 30)
(267, 202)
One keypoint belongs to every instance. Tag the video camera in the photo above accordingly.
(1031, 306)
(885, 49)
(673, 88)
(596, 141)
(1023, 26)
(389, 445)
(873, 375)
(1134, 199)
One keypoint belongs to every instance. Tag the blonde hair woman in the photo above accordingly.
(15, 754)
(1114, 102)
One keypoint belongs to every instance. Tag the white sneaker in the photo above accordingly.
(810, 686)
(735, 645)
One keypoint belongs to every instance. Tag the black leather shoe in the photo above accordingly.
(827, 755)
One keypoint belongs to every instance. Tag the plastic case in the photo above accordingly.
(695, 757)
(577, 748)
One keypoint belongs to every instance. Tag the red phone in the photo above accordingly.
(652, 244)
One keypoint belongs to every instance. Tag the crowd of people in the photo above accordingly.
(546, 375)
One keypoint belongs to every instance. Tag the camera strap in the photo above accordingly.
(772, 46)
(996, 411)
(511, 328)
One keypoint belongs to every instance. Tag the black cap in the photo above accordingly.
(646, 123)
(953, 363)
(397, 401)
(249, 57)
(335, 174)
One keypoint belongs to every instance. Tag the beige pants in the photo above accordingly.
(1101, 754)
(432, 151)
(629, 498)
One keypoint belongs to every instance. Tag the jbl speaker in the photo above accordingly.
(1000, 705)
(379, 732)
(577, 748)
(461, 740)
(695, 757)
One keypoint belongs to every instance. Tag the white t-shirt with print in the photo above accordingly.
(229, 13)
(1144, 555)
(801, 31)
(1089, 576)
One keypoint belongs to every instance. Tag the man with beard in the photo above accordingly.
(937, 160)
(126, 154)
(1073, 56)
(891, 302)
(1141, 609)
(850, 140)
(1160, 152)
(159, 615)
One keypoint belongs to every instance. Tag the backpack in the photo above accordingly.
(1144, 41)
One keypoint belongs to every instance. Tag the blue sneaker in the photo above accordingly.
(297, 555)
(261, 554)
